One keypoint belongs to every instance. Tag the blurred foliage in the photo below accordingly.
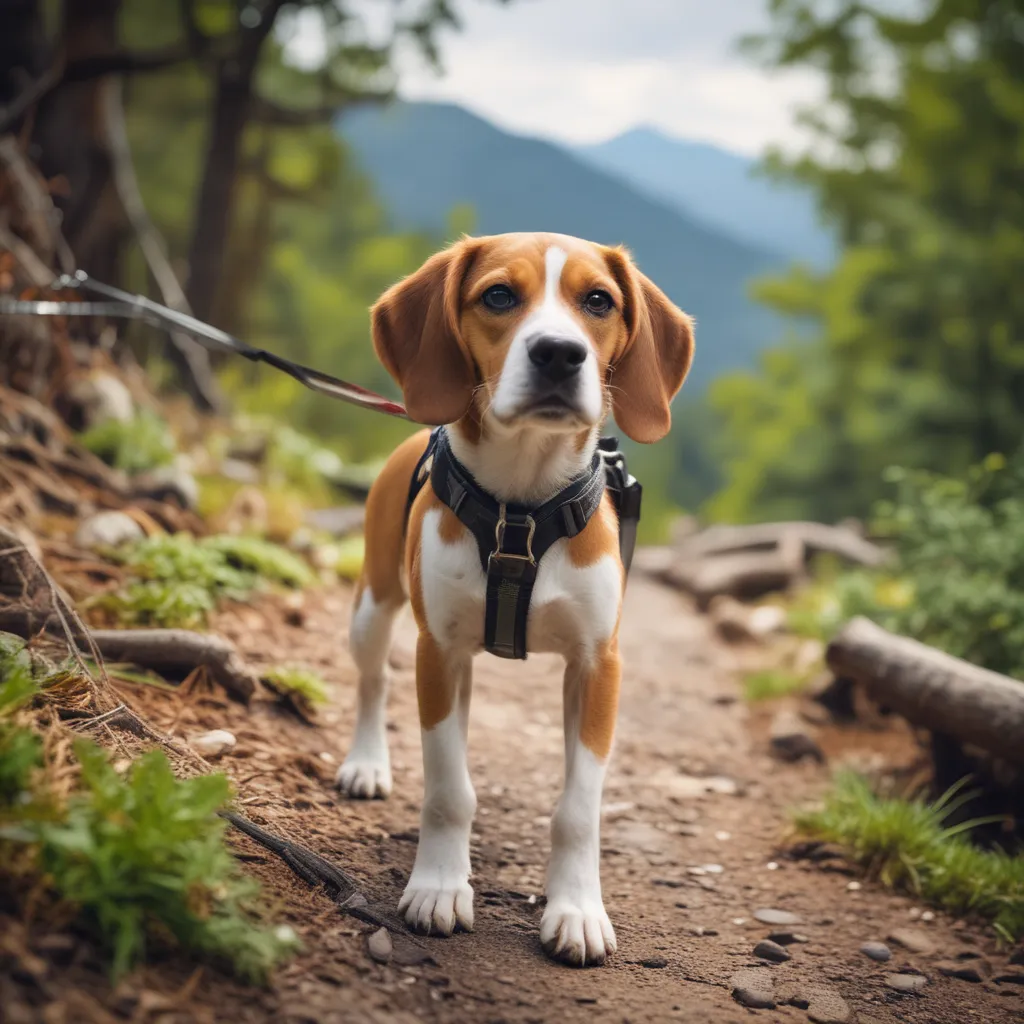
(917, 356)
(958, 584)
(309, 248)
(299, 682)
(20, 748)
(179, 580)
(771, 683)
(905, 844)
(141, 443)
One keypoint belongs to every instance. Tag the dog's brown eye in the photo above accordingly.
(499, 298)
(598, 302)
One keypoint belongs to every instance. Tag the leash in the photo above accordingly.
(126, 306)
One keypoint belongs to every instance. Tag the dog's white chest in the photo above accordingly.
(571, 610)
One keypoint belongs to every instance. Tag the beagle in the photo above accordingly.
(522, 345)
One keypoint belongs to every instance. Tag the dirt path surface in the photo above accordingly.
(693, 826)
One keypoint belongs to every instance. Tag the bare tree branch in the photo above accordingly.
(189, 357)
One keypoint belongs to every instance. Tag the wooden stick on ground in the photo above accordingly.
(932, 689)
(815, 538)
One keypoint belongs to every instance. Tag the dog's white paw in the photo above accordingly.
(437, 909)
(577, 934)
(364, 778)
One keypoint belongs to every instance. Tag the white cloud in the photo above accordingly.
(584, 70)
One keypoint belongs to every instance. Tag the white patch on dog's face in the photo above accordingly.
(523, 392)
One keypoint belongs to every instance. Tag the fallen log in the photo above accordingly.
(814, 537)
(933, 690)
(742, 574)
(178, 652)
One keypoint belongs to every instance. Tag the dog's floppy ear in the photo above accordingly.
(652, 365)
(416, 336)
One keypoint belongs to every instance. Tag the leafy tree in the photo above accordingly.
(918, 357)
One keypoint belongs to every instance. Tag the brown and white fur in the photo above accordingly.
(523, 430)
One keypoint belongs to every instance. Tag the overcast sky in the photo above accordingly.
(584, 70)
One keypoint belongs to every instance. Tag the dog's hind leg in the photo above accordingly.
(380, 595)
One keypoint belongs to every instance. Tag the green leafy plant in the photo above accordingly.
(905, 844)
(179, 580)
(141, 443)
(300, 683)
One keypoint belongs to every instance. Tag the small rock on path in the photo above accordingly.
(877, 951)
(768, 915)
(754, 988)
(906, 982)
(768, 950)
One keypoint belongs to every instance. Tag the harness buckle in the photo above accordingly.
(499, 538)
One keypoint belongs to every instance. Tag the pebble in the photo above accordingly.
(906, 982)
(379, 946)
(107, 530)
(754, 988)
(654, 961)
(172, 482)
(767, 915)
(213, 743)
(788, 938)
(828, 1007)
(914, 940)
(878, 951)
(853, 886)
(768, 950)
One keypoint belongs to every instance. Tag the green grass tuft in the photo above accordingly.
(906, 845)
(771, 683)
(179, 580)
(142, 443)
(300, 682)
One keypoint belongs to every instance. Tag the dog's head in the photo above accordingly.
(534, 329)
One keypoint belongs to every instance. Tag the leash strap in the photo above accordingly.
(137, 307)
(512, 539)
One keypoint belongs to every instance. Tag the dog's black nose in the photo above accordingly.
(556, 359)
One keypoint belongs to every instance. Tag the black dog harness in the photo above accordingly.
(512, 539)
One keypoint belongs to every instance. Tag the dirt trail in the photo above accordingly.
(682, 934)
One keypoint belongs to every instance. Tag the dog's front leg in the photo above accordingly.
(439, 897)
(575, 927)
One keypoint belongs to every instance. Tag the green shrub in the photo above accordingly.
(905, 845)
(149, 849)
(144, 442)
(959, 580)
(179, 580)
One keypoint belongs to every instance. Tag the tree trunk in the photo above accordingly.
(932, 689)
(72, 148)
(232, 108)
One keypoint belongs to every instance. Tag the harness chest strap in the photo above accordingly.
(511, 539)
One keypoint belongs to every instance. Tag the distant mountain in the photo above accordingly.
(718, 188)
(427, 158)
